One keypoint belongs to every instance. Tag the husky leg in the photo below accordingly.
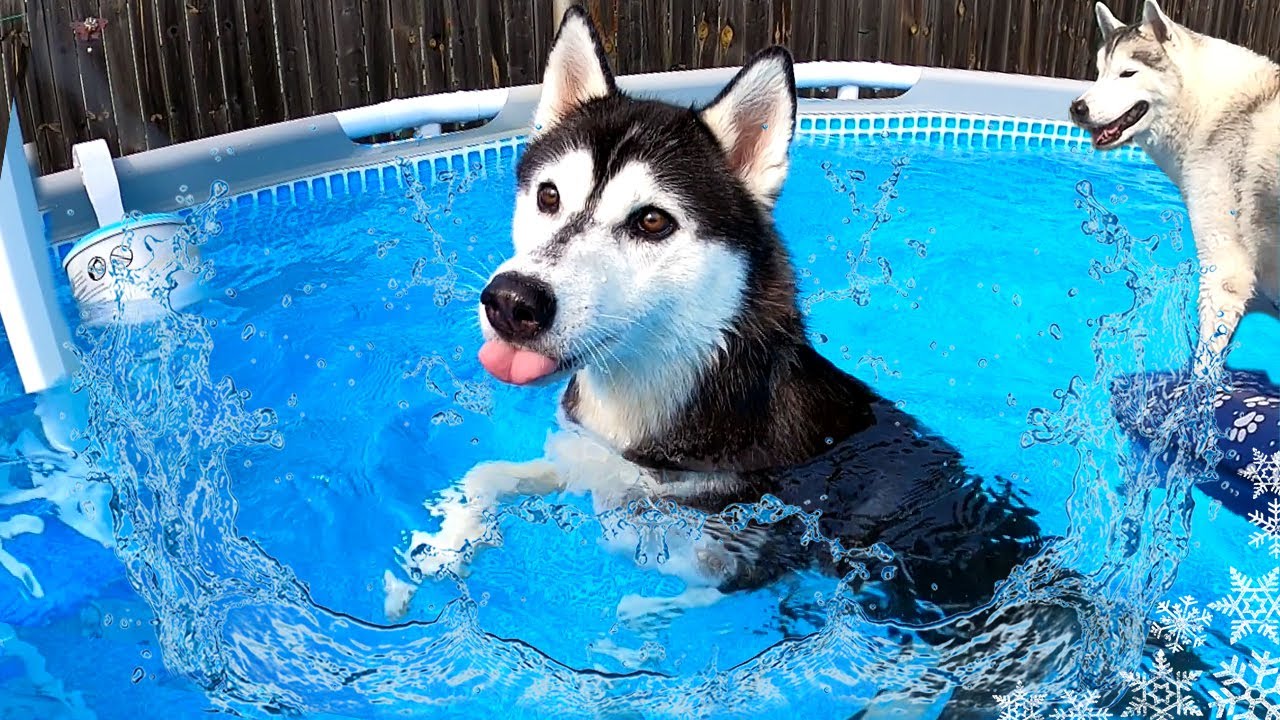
(464, 530)
(1226, 288)
(649, 614)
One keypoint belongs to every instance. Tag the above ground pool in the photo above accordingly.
(231, 492)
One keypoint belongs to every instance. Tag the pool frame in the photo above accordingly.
(961, 106)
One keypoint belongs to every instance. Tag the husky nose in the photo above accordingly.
(519, 308)
(1080, 110)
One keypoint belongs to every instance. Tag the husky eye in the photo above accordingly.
(652, 223)
(1128, 73)
(548, 198)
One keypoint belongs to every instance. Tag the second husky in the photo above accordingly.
(1208, 113)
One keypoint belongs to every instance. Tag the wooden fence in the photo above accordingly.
(147, 73)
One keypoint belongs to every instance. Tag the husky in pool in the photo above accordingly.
(648, 273)
(1208, 113)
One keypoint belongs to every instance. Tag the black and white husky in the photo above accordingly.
(648, 272)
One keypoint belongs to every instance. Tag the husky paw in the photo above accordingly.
(398, 595)
(437, 554)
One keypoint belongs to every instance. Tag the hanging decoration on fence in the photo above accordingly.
(89, 28)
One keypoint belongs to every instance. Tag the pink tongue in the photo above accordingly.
(512, 365)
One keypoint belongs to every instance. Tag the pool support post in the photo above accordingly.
(37, 331)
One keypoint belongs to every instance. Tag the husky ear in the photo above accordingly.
(577, 71)
(753, 119)
(1107, 21)
(1161, 26)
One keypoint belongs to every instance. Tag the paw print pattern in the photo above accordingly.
(1244, 425)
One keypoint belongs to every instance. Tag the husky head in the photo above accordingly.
(1137, 78)
(641, 233)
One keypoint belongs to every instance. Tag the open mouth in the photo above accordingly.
(1105, 136)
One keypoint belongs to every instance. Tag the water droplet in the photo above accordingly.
(822, 339)
(829, 441)
(982, 362)
(1017, 300)
(351, 382)
(182, 188)
(403, 404)
(138, 675)
(1011, 400)
(1072, 292)
(1055, 332)
(321, 363)
(248, 331)
(286, 301)
(293, 400)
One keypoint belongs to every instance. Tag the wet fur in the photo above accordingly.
(751, 410)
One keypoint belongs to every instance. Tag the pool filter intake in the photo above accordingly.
(129, 268)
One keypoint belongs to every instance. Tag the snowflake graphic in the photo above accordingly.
(1181, 625)
(1021, 704)
(1254, 606)
(1269, 528)
(1241, 697)
(1264, 472)
(1080, 705)
(1165, 694)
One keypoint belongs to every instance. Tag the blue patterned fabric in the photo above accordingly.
(1247, 414)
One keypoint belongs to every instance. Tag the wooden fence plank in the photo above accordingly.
(175, 64)
(520, 29)
(490, 43)
(123, 72)
(804, 41)
(66, 77)
(295, 58)
(164, 71)
(322, 50)
(757, 26)
(408, 75)
(261, 89)
(206, 82)
(707, 15)
(352, 68)
(223, 21)
(463, 59)
(376, 17)
(50, 138)
(437, 50)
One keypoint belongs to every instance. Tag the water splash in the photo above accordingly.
(861, 256)
(244, 627)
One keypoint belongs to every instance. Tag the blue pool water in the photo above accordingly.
(248, 471)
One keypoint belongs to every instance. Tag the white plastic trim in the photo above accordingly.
(93, 160)
(466, 106)
(37, 332)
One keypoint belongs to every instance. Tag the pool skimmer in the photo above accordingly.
(122, 270)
